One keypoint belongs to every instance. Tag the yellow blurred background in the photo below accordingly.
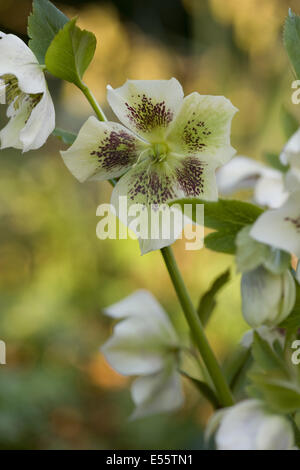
(56, 390)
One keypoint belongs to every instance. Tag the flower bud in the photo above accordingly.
(267, 298)
(250, 426)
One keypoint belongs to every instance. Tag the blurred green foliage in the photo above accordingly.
(56, 391)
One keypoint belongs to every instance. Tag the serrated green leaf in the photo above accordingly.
(43, 24)
(208, 300)
(70, 53)
(291, 40)
(67, 137)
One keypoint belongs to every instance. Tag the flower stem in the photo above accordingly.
(214, 370)
(93, 102)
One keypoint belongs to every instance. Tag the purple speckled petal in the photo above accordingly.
(202, 128)
(102, 150)
(157, 184)
(147, 107)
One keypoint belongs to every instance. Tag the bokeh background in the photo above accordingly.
(56, 391)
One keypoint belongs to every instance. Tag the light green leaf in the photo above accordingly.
(291, 40)
(204, 389)
(208, 301)
(43, 24)
(70, 53)
(228, 216)
(67, 137)
(222, 241)
(280, 394)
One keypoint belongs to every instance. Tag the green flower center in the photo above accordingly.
(159, 152)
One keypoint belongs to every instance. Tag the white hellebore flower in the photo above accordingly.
(281, 227)
(267, 298)
(145, 343)
(244, 173)
(250, 426)
(290, 155)
(169, 149)
(24, 89)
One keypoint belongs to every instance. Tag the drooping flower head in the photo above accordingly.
(24, 89)
(145, 343)
(249, 425)
(169, 149)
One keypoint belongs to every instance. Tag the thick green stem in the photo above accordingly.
(214, 370)
(93, 102)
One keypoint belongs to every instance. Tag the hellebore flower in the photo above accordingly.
(145, 343)
(169, 149)
(281, 227)
(249, 425)
(24, 89)
(267, 298)
(244, 173)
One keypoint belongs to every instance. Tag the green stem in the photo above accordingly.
(93, 102)
(214, 370)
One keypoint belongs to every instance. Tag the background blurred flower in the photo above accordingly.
(145, 343)
(250, 426)
(244, 173)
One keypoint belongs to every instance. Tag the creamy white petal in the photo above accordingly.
(157, 393)
(144, 340)
(2, 92)
(156, 184)
(141, 303)
(249, 426)
(40, 124)
(146, 106)
(281, 227)
(17, 59)
(241, 172)
(291, 151)
(10, 134)
(239, 426)
(270, 191)
(292, 179)
(102, 150)
(275, 433)
(202, 128)
(267, 298)
(135, 348)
